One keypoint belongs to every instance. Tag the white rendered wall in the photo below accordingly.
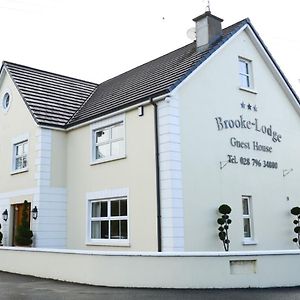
(50, 226)
(172, 221)
(211, 92)
(157, 270)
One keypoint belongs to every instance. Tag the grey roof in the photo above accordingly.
(51, 98)
(148, 80)
(61, 101)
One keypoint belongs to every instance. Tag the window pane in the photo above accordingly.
(103, 209)
(95, 230)
(102, 151)
(247, 231)
(117, 148)
(123, 209)
(104, 229)
(115, 208)
(19, 163)
(102, 136)
(25, 148)
(117, 131)
(245, 206)
(96, 209)
(244, 68)
(24, 161)
(124, 229)
(244, 80)
(18, 149)
(114, 229)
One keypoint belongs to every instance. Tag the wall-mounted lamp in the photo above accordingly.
(34, 213)
(5, 215)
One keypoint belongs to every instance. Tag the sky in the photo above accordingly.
(95, 40)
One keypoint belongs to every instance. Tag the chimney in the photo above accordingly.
(208, 30)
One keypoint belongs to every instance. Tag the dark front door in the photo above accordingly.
(17, 218)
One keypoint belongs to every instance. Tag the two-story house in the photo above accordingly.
(141, 162)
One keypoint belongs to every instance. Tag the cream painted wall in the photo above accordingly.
(157, 270)
(213, 91)
(17, 121)
(135, 172)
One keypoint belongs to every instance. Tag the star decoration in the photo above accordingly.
(243, 105)
(249, 106)
(255, 108)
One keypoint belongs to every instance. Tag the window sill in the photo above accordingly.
(249, 90)
(104, 160)
(114, 243)
(249, 242)
(19, 171)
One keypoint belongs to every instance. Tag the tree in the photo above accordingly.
(24, 234)
(296, 212)
(224, 222)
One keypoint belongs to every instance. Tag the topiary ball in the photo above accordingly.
(225, 209)
(295, 211)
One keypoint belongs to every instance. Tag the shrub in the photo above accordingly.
(224, 222)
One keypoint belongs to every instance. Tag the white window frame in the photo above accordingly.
(107, 195)
(249, 75)
(248, 240)
(16, 142)
(105, 124)
(5, 108)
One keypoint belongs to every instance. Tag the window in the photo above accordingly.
(247, 218)
(109, 142)
(245, 73)
(6, 101)
(20, 156)
(108, 219)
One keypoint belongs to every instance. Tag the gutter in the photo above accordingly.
(154, 101)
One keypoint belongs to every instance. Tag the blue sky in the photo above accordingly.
(95, 40)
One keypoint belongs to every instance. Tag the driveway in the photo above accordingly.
(15, 287)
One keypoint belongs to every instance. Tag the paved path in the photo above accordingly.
(15, 287)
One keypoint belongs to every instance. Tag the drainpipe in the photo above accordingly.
(157, 174)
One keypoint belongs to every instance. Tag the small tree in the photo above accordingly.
(23, 233)
(224, 222)
(296, 212)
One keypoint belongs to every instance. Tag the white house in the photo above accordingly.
(142, 162)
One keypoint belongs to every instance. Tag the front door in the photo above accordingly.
(17, 218)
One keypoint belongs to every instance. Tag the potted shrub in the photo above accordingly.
(23, 233)
(224, 222)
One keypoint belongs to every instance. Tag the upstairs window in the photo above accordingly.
(245, 72)
(109, 142)
(20, 161)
